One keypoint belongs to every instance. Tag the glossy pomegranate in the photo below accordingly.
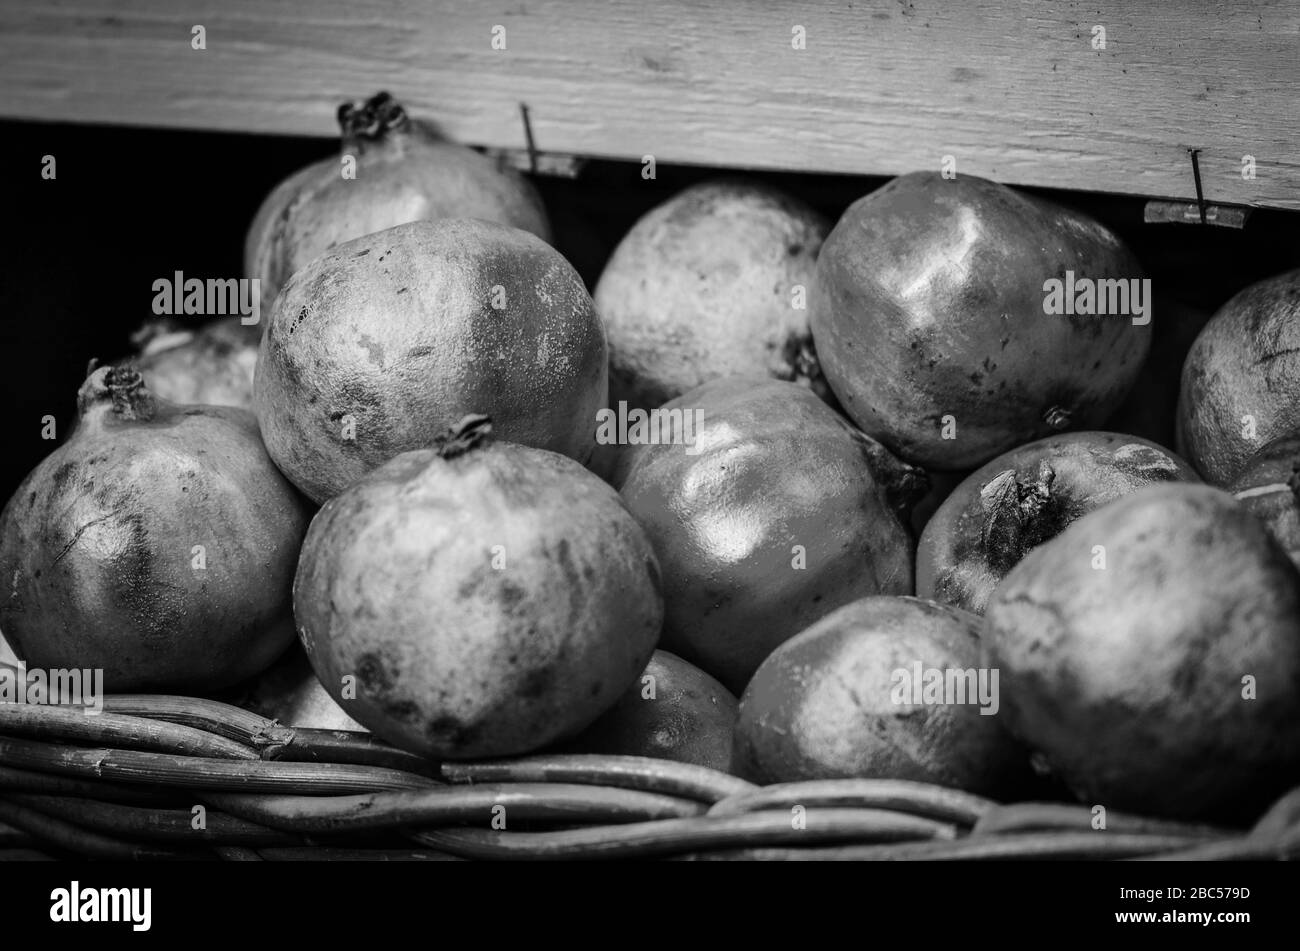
(929, 317)
(775, 512)
(848, 698)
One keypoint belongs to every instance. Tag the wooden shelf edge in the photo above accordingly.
(1014, 91)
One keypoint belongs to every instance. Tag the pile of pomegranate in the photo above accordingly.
(779, 498)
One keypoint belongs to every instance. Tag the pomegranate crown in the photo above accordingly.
(373, 118)
(473, 430)
(120, 388)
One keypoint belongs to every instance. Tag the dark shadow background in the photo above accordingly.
(80, 253)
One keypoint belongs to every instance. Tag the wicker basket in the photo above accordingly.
(156, 777)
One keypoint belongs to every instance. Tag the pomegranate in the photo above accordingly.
(212, 365)
(673, 711)
(158, 543)
(379, 345)
(1025, 497)
(929, 313)
(1269, 486)
(399, 171)
(862, 693)
(710, 284)
(768, 513)
(1150, 654)
(485, 598)
(1241, 382)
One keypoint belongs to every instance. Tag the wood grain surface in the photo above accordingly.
(1012, 89)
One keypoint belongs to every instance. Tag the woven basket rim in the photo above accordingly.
(128, 782)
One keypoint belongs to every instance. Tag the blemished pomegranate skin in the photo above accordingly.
(1241, 382)
(380, 345)
(709, 284)
(1024, 498)
(1152, 638)
(485, 598)
(157, 544)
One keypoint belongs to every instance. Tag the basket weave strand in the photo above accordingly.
(126, 785)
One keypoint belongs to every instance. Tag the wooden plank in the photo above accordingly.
(1012, 89)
